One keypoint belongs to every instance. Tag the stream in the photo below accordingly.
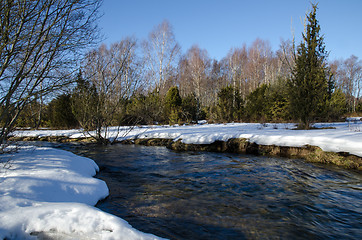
(203, 195)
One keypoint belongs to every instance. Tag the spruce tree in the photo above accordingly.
(309, 86)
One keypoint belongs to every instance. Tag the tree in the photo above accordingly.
(173, 103)
(259, 64)
(309, 86)
(236, 64)
(161, 51)
(109, 82)
(194, 76)
(84, 101)
(41, 42)
(257, 108)
(277, 101)
(189, 108)
(146, 109)
(230, 104)
(286, 55)
(337, 105)
(29, 116)
(60, 113)
(349, 79)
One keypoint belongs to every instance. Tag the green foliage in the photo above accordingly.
(277, 101)
(337, 105)
(189, 108)
(172, 107)
(60, 113)
(268, 103)
(230, 105)
(146, 109)
(174, 116)
(172, 99)
(135, 110)
(278, 107)
(256, 104)
(309, 86)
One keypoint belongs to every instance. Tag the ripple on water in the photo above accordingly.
(201, 195)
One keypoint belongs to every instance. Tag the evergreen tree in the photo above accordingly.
(60, 113)
(173, 103)
(337, 105)
(146, 109)
(277, 101)
(230, 104)
(257, 105)
(154, 107)
(189, 108)
(309, 86)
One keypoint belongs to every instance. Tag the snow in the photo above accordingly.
(351, 119)
(49, 193)
(346, 137)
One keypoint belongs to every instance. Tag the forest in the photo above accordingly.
(151, 81)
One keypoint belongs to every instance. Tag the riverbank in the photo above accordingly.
(331, 143)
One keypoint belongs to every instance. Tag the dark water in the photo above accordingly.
(200, 195)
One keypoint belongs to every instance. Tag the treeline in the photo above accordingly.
(152, 82)
(267, 103)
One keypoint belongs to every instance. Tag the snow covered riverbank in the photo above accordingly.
(344, 137)
(50, 193)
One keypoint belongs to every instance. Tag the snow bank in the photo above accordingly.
(47, 193)
(346, 137)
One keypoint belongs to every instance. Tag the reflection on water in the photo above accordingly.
(204, 195)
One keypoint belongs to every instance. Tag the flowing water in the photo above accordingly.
(202, 195)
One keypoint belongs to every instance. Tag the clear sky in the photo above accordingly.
(219, 25)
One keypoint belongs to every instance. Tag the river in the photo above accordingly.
(203, 195)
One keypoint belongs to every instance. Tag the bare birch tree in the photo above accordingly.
(161, 53)
(237, 61)
(286, 55)
(349, 79)
(194, 75)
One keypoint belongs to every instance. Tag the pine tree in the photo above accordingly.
(309, 86)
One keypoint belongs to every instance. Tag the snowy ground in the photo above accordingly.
(346, 137)
(47, 193)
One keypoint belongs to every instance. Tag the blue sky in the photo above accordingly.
(219, 25)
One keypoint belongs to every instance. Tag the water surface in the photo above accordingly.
(202, 195)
